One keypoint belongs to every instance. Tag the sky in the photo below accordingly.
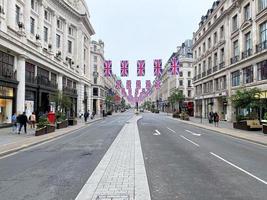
(144, 30)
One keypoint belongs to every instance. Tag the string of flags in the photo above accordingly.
(141, 71)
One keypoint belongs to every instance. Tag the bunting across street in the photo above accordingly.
(138, 84)
(157, 67)
(141, 68)
(157, 84)
(148, 84)
(174, 68)
(128, 84)
(124, 68)
(118, 84)
(108, 68)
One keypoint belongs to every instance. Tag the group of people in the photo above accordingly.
(214, 117)
(21, 120)
(86, 115)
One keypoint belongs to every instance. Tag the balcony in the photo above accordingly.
(246, 54)
(68, 90)
(30, 79)
(215, 68)
(221, 65)
(209, 71)
(234, 59)
(204, 74)
(44, 81)
(195, 78)
(7, 72)
(261, 46)
(199, 76)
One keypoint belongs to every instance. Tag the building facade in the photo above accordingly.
(44, 48)
(230, 52)
(182, 82)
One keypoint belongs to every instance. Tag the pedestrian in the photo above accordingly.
(103, 112)
(216, 119)
(211, 116)
(86, 115)
(93, 115)
(23, 119)
(14, 123)
(32, 120)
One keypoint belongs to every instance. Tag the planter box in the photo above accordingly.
(41, 131)
(264, 128)
(51, 129)
(72, 122)
(248, 125)
(63, 124)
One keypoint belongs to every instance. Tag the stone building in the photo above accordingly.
(230, 52)
(44, 47)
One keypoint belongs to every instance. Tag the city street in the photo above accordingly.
(185, 162)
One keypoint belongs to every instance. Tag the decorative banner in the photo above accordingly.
(128, 84)
(108, 68)
(123, 92)
(118, 84)
(141, 68)
(148, 84)
(124, 68)
(157, 67)
(138, 84)
(157, 84)
(174, 69)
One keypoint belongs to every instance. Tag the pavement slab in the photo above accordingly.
(121, 173)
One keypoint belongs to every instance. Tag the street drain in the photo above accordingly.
(113, 197)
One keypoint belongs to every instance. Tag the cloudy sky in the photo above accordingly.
(144, 29)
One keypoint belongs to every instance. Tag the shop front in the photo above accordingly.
(7, 105)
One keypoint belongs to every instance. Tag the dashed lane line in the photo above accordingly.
(171, 130)
(239, 168)
(195, 134)
(189, 140)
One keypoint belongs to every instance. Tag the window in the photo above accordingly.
(248, 75)
(47, 15)
(95, 58)
(95, 91)
(34, 5)
(215, 59)
(29, 72)
(209, 63)
(204, 66)
(181, 83)
(189, 93)
(263, 32)
(262, 70)
(262, 4)
(181, 74)
(248, 42)
(235, 49)
(222, 32)
(199, 51)
(32, 25)
(189, 83)
(189, 74)
(215, 38)
(59, 24)
(204, 47)
(70, 31)
(209, 42)
(69, 46)
(45, 34)
(247, 12)
(222, 55)
(17, 14)
(53, 78)
(234, 23)
(58, 40)
(95, 68)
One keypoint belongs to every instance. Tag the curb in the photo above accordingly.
(4, 153)
(221, 132)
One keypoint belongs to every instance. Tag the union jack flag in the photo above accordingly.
(141, 68)
(148, 84)
(108, 68)
(123, 92)
(118, 84)
(138, 84)
(157, 67)
(174, 69)
(124, 68)
(157, 84)
(128, 84)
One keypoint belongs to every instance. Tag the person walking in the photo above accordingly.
(32, 119)
(93, 115)
(216, 119)
(23, 122)
(86, 115)
(14, 123)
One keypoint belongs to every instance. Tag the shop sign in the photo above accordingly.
(6, 91)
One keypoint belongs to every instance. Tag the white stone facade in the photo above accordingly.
(48, 42)
(230, 52)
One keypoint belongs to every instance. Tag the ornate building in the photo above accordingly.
(44, 48)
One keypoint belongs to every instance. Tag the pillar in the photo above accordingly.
(52, 39)
(21, 85)
(11, 14)
(80, 105)
(27, 14)
(60, 82)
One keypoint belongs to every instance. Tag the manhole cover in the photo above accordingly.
(113, 197)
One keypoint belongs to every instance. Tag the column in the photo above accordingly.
(41, 23)
(27, 14)
(90, 101)
(52, 39)
(80, 51)
(255, 72)
(21, 85)
(80, 97)
(11, 14)
(60, 82)
(203, 108)
(254, 26)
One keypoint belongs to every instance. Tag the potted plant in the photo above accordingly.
(72, 122)
(42, 126)
(184, 116)
(62, 121)
(176, 114)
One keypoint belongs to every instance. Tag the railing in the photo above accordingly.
(234, 59)
(247, 53)
(209, 71)
(44, 81)
(222, 65)
(31, 79)
(261, 46)
(7, 71)
(215, 68)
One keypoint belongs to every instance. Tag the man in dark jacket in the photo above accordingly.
(23, 122)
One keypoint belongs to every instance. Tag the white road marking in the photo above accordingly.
(239, 168)
(195, 134)
(189, 140)
(171, 130)
(157, 133)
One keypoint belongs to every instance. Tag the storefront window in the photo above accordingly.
(6, 102)
(262, 70)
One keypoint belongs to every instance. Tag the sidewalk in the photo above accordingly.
(121, 173)
(227, 129)
(12, 142)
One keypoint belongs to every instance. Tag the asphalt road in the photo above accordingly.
(57, 170)
(184, 162)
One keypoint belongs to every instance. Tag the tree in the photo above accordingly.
(63, 104)
(176, 96)
(109, 99)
